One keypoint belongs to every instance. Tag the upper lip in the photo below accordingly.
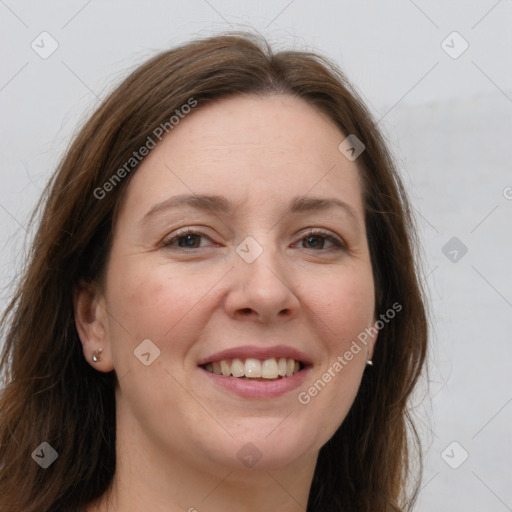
(257, 352)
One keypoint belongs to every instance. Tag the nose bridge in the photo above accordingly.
(260, 260)
(261, 277)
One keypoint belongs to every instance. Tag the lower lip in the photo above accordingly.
(258, 389)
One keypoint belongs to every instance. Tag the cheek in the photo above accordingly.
(343, 307)
(343, 304)
(137, 296)
(157, 301)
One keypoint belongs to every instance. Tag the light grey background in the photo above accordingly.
(448, 121)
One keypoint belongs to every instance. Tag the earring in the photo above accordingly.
(369, 362)
(96, 355)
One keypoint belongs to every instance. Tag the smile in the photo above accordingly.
(251, 368)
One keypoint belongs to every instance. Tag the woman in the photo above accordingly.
(221, 310)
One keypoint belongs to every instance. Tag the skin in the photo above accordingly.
(177, 434)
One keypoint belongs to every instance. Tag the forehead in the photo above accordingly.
(254, 149)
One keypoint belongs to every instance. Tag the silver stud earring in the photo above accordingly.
(96, 355)
(369, 362)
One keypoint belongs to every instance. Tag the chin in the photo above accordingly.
(263, 449)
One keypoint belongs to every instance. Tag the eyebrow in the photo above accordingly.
(221, 205)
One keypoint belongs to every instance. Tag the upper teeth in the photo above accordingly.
(253, 368)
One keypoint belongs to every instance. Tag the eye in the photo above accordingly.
(186, 238)
(316, 240)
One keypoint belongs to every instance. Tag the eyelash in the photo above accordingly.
(338, 245)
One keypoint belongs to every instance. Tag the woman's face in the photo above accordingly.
(248, 278)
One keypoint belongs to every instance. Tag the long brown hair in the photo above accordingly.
(53, 395)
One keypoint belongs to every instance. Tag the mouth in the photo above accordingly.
(256, 371)
(252, 369)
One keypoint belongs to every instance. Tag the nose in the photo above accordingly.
(262, 290)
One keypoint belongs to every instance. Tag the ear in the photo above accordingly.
(371, 346)
(91, 320)
(372, 338)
